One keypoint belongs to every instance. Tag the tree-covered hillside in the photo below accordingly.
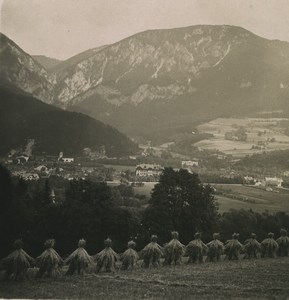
(275, 159)
(22, 117)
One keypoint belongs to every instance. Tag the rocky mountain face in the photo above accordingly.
(160, 80)
(24, 72)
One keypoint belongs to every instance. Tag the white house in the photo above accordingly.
(30, 176)
(273, 181)
(42, 168)
(144, 170)
(189, 163)
(249, 180)
(67, 159)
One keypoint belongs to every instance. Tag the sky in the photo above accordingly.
(63, 28)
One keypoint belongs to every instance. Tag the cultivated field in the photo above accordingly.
(259, 279)
(262, 135)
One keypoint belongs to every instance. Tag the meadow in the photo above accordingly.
(239, 196)
(259, 131)
(249, 197)
(257, 279)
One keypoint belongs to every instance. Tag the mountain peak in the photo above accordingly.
(166, 78)
(22, 70)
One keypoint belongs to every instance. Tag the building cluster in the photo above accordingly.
(148, 170)
(153, 171)
(268, 182)
(190, 165)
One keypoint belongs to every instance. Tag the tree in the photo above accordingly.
(16, 212)
(6, 188)
(180, 202)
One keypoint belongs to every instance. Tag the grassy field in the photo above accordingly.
(257, 199)
(259, 279)
(259, 130)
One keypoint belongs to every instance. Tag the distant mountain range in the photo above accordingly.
(23, 117)
(74, 60)
(160, 81)
(46, 62)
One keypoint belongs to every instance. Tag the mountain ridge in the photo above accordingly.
(75, 59)
(177, 77)
(19, 68)
(46, 62)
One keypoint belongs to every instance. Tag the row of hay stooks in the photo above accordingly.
(49, 262)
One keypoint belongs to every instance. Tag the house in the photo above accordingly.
(273, 182)
(259, 183)
(67, 159)
(144, 170)
(286, 174)
(219, 156)
(249, 180)
(41, 168)
(30, 176)
(189, 163)
(21, 159)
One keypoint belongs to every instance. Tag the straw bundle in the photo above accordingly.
(49, 262)
(252, 247)
(174, 250)
(269, 246)
(17, 263)
(129, 257)
(215, 249)
(79, 260)
(152, 253)
(233, 248)
(196, 249)
(283, 242)
(107, 258)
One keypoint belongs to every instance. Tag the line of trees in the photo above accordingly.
(94, 211)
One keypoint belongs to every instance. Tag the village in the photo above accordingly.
(103, 168)
(141, 170)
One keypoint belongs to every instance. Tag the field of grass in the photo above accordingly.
(259, 130)
(258, 279)
(255, 198)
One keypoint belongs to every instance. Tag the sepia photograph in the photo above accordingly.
(144, 149)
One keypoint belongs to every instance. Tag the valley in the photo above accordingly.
(144, 149)
(215, 97)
